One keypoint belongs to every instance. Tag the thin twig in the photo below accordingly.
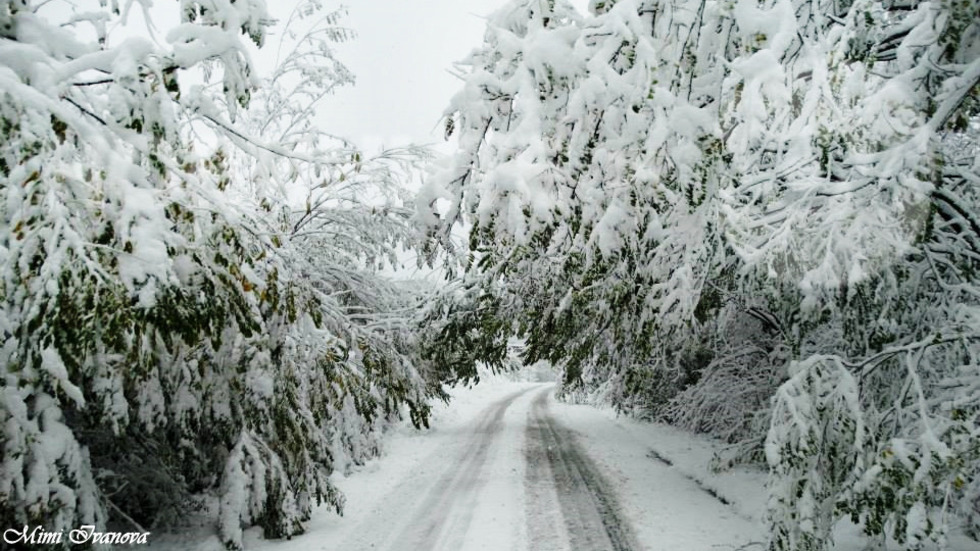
(135, 524)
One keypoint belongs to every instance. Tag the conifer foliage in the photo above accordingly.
(755, 219)
(188, 296)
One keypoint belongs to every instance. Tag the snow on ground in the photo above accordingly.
(406, 450)
(690, 511)
(668, 510)
(503, 467)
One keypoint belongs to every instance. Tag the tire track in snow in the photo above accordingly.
(442, 518)
(589, 509)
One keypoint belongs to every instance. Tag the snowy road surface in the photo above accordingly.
(508, 468)
(474, 499)
(488, 491)
(505, 467)
(557, 470)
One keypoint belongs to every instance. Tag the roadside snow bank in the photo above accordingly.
(664, 484)
(674, 498)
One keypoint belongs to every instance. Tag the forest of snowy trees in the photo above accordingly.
(755, 220)
(189, 298)
(750, 219)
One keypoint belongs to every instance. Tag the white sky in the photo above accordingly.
(401, 58)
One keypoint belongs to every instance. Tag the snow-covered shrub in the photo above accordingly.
(814, 449)
(925, 456)
(900, 471)
(729, 393)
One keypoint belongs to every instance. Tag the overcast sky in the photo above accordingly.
(401, 57)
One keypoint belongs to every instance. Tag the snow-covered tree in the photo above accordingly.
(678, 200)
(175, 319)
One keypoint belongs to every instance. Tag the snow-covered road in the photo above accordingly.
(441, 507)
(513, 479)
(506, 467)
(559, 472)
